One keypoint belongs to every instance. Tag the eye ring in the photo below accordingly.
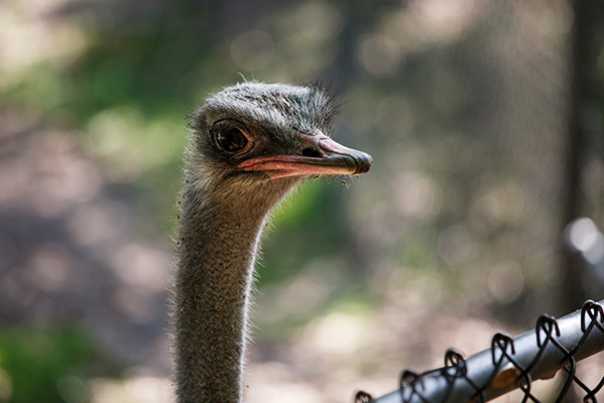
(230, 137)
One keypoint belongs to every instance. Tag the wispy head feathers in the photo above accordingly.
(278, 105)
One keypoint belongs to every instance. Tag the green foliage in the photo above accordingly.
(312, 220)
(44, 366)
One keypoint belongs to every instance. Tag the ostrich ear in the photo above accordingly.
(197, 121)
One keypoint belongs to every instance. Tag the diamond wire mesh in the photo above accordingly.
(509, 364)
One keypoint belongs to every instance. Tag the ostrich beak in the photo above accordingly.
(320, 155)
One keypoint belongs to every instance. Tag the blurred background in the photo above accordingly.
(485, 122)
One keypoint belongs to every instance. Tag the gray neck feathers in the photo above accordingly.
(218, 242)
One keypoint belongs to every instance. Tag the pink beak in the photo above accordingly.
(329, 158)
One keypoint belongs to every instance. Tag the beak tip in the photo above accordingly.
(363, 163)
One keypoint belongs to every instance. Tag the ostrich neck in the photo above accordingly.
(217, 249)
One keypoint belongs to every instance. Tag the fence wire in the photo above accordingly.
(511, 363)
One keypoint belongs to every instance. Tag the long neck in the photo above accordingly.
(215, 271)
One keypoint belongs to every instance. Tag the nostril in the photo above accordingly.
(311, 152)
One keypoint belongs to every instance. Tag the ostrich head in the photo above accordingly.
(252, 142)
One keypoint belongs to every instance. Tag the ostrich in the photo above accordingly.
(250, 144)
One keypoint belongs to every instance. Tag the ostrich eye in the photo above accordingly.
(229, 138)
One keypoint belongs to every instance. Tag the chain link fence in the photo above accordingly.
(512, 363)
